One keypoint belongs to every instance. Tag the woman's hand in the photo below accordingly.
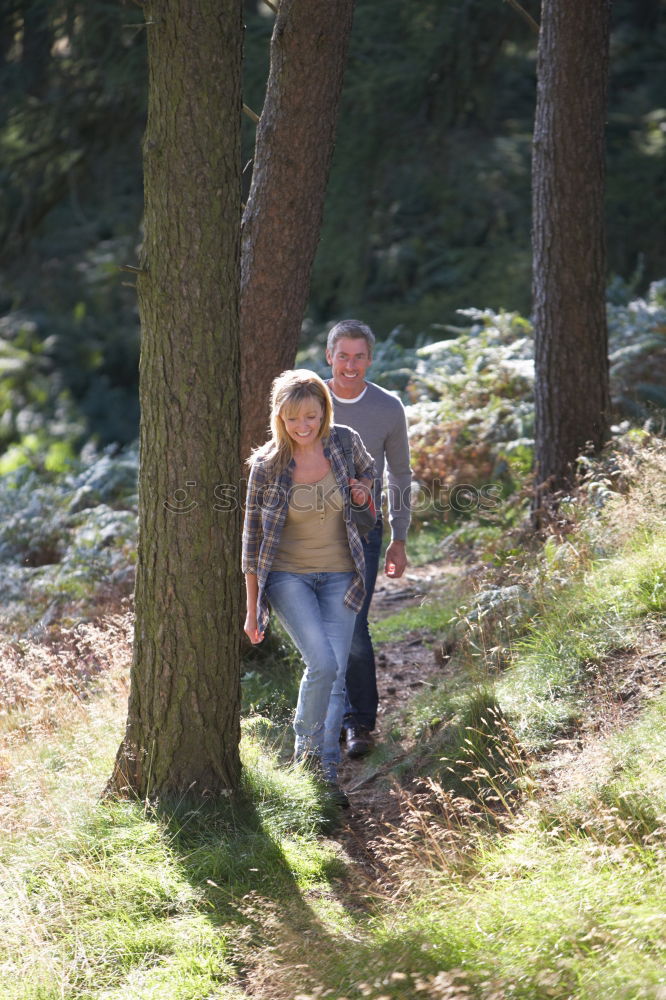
(251, 630)
(250, 627)
(360, 492)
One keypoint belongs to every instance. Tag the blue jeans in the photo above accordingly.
(312, 610)
(362, 700)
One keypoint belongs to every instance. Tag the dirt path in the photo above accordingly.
(617, 690)
(404, 668)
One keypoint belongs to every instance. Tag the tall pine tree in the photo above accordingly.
(569, 276)
(182, 731)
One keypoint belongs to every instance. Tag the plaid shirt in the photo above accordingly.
(266, 507)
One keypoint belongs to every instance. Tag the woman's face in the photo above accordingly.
(303, 422)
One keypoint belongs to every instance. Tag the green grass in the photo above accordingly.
(431, 619)
(595, 615)
(484, 887)
(567, 902)
(515, 896)
(109, 900)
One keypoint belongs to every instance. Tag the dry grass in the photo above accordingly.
(59, 700)
(43, 682)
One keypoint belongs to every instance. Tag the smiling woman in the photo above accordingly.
(304, 422)
(303, 557)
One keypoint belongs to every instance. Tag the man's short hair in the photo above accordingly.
(353, 328)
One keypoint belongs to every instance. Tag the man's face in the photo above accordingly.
(349, 361)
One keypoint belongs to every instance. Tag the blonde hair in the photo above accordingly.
(288, 391)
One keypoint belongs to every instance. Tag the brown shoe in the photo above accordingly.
(359, 741)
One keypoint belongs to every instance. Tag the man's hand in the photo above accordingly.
(395, 563)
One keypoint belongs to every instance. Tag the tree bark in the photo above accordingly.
(182, 731)
(569, 276)
(282, 220)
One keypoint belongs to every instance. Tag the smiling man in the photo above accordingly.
(379, 418)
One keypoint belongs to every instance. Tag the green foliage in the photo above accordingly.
(67, 527)
(71, 117)
(432, 163)
(425, 150)
(430, 177)
(73, 92)
(637, 353)
(473, 410)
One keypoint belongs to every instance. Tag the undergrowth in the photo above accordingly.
(520, 851)
(104, 899)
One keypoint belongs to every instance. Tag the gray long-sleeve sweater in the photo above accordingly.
(379, 417)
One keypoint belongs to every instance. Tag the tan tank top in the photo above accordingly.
(314, 535)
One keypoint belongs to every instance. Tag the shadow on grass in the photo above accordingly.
(287, 939)
(259, 867)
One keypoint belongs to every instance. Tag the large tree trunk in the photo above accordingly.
(282, 220)
(572, 395)
(183, 721)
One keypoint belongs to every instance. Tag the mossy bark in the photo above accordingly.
(572, 394)
(282, 219)
(183, 720)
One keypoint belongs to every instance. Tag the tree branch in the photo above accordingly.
(251, 114)
(521, 10)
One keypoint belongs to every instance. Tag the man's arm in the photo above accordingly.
(396, 450)
(395, 562)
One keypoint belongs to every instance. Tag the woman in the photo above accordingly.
(303, 555)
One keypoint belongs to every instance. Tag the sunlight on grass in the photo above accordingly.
(497, 872)
(591, 618)
(110, 900)
(431, 618)
(567, 903)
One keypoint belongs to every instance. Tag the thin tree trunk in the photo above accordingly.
(282, 220)
(572, 395)
(183, 720)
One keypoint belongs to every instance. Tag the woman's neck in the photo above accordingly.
(308, 450)
(310, 463)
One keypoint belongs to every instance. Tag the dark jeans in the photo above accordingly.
(361, 702)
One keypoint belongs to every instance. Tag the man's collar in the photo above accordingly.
(347, 399)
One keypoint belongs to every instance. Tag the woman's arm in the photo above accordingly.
(363, 461)
(251, 592)
(252, 529)
(361, 486)
(252, 534)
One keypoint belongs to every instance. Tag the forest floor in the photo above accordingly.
(404, 668)
(318, 936)
(614, 698)
(378, 807)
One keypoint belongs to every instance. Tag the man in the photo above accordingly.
(379, 418)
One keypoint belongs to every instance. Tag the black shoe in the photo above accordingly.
(359, 741)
